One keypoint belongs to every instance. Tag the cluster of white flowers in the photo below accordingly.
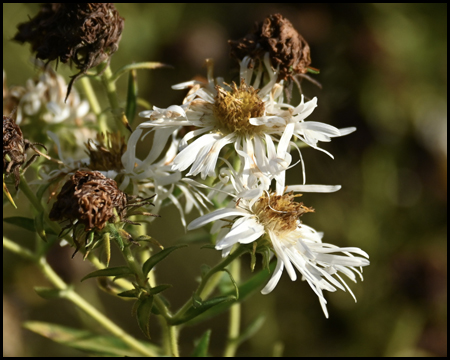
(249, 124)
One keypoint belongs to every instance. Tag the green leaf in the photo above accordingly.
(23, 222)
(256, 282)
(49, 293)
(39, 225)
(114, 271)
(130, 293)
(130, 109)
(197, 310)
(85, 340)
(160, 288)
(143, 312)
(136, 66)
(201, 349)
(153, 260)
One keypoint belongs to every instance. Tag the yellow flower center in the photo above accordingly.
(233, 109)
(279, 213)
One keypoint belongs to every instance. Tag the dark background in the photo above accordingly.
(383, 70)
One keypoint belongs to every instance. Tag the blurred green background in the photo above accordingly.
(383, 70)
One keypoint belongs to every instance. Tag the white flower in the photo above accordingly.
(45, 98)
(275, 217)
(251, 119)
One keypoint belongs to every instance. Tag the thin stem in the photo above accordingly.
(173, 340)
(94, 103)
(111, 92)
(235, 315)
(77, 300)
(170, 333)
(18, 249)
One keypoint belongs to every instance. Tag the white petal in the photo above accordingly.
(274, 279)
(314, 188)
(215, 215)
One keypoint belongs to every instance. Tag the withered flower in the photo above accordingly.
(276, 35)
(94, 207)
(14, 149)
(84, 34)
(91, 199)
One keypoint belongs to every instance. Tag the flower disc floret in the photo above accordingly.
(234, 109)
(279, 213)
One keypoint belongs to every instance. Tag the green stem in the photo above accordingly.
(111, 92)
(203, 290)
(170, 333)
(94, 103)
(173, 340)
(235, 315)
(18, 250)
(77, 300)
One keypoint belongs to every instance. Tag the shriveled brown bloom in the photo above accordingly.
(91, 199)
(287, 48)
(84, 34)
(14, 148)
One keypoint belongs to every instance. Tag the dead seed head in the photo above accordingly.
(84, 34)
(91, 199)
(287, 48)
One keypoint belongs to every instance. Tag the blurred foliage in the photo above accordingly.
(383, 70)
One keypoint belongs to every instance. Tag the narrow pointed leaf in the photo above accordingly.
(136, 66)
(114, 271)
(160, 288)
(201, 349)
(130, 109)
(255, 283)
(130, 293)
(107, 243)
(23, 222)
(143, 312)
(193, 312)
(86, 341)
(49, 293)
(153, 260)
(8, 196)
(39, 225)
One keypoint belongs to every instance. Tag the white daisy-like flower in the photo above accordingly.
(274, 217)
(250, 118)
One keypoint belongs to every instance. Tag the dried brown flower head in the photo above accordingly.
(84, 34)
(91, 199)
(106, 152)
(287, 48)
(14, 148)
